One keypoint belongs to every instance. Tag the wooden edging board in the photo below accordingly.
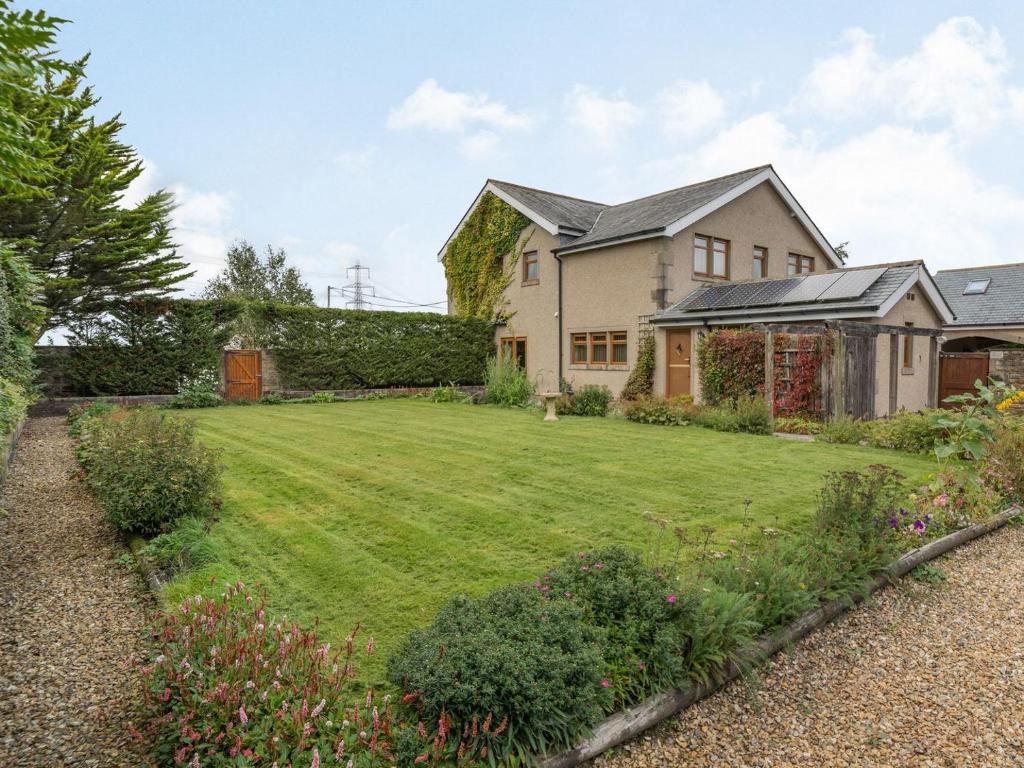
(626, 724)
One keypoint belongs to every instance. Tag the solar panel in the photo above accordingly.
(852, 284)
(773, 291)
(810, 288)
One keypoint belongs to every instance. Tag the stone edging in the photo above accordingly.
(628, 723)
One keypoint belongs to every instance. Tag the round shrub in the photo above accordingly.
(645, 621)
(904, 431)
(656, 410)
(588, 400)
(513, 654)
(147, 470)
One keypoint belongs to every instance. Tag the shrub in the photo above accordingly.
(209, 695)
(641, 379)
(750, 415)
(588, 400)
(645, 621)
(724, 626)
(199, 391)
(449, 394)
(731, 365)
(513, 654)
(79, 415)
(506, 384)
(904, 431)
(321, 397)
(182, 548)
(797, 425)
(845, 430)
(272, 398)
(656, 410)
(1003, 467)
(147, 470)
(13, 405)
(954, 497)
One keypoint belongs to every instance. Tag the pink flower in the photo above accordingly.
(195, 761)
(605, 682)
(316, 758)
(370, 646)
(567, 594)
(244, 718)
(671, 599)
(643, 666)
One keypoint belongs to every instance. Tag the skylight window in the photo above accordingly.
(977, 286)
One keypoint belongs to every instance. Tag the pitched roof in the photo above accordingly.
(869, 291)
(654, 213)
(585, 224)
(1002, 303)
(567, 212)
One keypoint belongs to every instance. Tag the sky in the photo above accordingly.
(347, 132)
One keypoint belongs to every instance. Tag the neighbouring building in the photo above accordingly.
(987, 337)
(593, 279)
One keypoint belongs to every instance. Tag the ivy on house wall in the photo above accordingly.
(641, 379)
(473, 261)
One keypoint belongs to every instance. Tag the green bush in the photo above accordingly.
(748, 414)
(147, 470)
(514, 654)
(904, 431)
(645, 621)
(272, 398)
(318, 348)
(182, 548)
(656, 410)
(13, 405)
(322, 397)
(506, 384)
(723, 628)
(797, 425)
(200, 391)
(588, 400)
(1003, 467)
(449, 394)
(143, 347)
(845, 430)
(79, 415)
(641, 379)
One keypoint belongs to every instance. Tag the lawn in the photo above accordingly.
(376, 511)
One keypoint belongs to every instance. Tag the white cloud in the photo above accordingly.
(203, 231)
(894, 191)
(958, 74)
(603, 120)
(433, 108)
(689, 108)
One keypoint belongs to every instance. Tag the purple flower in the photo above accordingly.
(894, 523)
(919, 526)
(903, 512)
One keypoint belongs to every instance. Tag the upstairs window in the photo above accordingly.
(531, 268)
(710, 256)
(760, 262)
(976, 287)
(799, 265)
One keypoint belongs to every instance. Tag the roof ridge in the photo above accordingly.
(694, 184)
(549, 192)
(983, 266)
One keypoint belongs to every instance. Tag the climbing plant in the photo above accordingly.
(641, 379)
(731, 365)
(473, 262)
(798, 362)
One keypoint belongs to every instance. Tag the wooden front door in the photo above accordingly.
(958, 371)
(243, 374)
(677, 369)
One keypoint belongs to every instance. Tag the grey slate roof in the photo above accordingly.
(1001, 304)
(853, 292)
(658, 211)
(568, 212)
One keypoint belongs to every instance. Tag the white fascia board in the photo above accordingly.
(536, 218)
(769, 175)
(989, 327)
(930, 290)
(767, 318)
(568, 250)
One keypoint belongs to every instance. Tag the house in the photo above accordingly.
(592, 279)
(888, 320)
(987, 337)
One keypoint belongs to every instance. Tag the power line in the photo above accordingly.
(401, 301)
(359, 290)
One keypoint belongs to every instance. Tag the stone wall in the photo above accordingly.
(1008, 365)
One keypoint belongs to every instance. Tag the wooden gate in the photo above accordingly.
(858, 379)
(243, 374)
(958, 371)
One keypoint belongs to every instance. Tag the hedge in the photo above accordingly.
(143, 347)
(320, 348)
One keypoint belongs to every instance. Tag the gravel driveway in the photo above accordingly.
(922, 676)
(70, 618)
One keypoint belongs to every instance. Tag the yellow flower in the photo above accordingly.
(1009, 401)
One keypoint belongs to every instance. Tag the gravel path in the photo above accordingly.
(70, 618)
(922, 676)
